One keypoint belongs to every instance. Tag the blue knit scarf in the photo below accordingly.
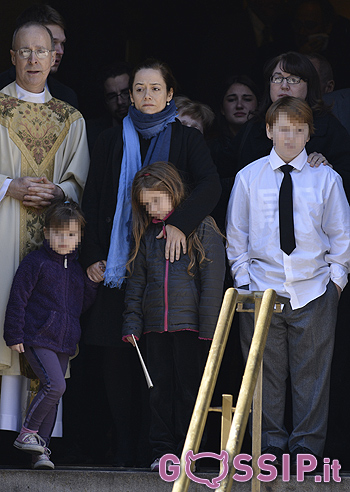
(151, 126)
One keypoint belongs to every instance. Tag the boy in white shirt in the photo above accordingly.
(293, 237)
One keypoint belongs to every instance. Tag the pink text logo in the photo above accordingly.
(169, 468)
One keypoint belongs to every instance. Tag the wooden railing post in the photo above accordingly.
(206, 390)
(250, 377)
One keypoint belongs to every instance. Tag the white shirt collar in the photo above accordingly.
(298, 162)
(34, 97)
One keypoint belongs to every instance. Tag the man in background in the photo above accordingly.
(115, 87)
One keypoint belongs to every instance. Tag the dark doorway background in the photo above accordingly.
(104, 31)
(101, 32)
(200, 41)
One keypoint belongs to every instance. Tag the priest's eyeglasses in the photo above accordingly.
(40, 53)
(291, 79)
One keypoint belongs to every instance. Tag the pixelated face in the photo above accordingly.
(149, 91)
(158, 204)
(238, 105)
(117, 96)
(285, 89)
(289, 136)
(32, 72)
(64, 239)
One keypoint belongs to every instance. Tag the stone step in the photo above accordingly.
(87, 479)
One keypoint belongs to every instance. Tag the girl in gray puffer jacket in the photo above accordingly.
(176, 304)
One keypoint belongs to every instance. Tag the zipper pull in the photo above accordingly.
(164, 230)
(65, 262)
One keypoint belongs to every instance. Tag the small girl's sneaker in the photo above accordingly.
(30, 442)
(155, 465)
(42, 461)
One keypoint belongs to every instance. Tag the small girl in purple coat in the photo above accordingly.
(49, 292)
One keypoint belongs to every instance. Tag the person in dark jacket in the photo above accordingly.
(187, 150)
(49, 292)
(175, 304)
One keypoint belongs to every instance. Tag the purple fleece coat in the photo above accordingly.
(48, 295)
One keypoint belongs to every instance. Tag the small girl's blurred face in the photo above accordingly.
(157, 203)
(64, 239)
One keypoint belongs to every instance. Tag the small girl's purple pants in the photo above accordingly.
(50, 367)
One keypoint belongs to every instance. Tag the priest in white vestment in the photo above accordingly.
(43, 156)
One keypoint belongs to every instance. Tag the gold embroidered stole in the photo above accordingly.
(38, 130)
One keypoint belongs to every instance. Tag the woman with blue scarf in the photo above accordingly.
(150, 133)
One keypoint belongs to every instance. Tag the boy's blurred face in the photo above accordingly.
(289, 136)
(64, 239)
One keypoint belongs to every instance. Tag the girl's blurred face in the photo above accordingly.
(64, 239)
(149, 92)
(284, 88)
(157, 203)
(238, 105)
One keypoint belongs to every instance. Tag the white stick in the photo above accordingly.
(147, 376)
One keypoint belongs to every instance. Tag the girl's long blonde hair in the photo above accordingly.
(162, 176)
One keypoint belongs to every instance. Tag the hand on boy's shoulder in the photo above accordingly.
(315, 160)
